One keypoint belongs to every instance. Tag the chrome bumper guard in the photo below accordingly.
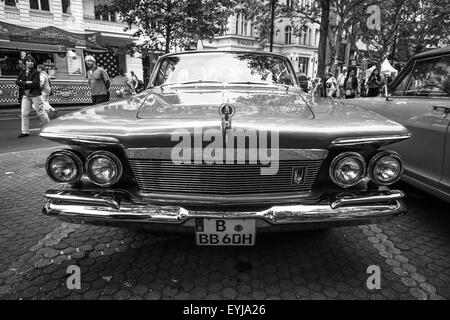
(82, 207)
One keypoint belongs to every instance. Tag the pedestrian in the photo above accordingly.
(351, 85)
(310, 84)
(331, 85)
(130, 84)
(363, 88)
(29, 81)
(134, 81)
(21, 66)
(98, 80)
(374, 83)
(340, 82)
(46, 86)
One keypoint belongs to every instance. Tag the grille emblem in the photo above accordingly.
(298, 176)
(226, 111)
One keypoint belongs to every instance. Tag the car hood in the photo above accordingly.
(149, 118)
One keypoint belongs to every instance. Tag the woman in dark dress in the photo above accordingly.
(374, 83)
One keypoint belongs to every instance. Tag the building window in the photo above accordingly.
(40, 5)
(288, 35)
(66, 6)
(309, 37)
(11, 3)
(102, 11)
(303, 65)
(305, 35)
(290, 3)
(242, 24)
(316, 38)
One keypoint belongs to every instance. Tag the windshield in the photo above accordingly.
(224, 68)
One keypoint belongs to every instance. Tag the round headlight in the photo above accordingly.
(386, 168)
(64, 166)
(104, 168)
(347, 169)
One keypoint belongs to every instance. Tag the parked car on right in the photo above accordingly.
(419, 99)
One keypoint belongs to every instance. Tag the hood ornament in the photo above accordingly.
(226, 111)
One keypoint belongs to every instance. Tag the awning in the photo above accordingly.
(29, 46)
(47, 37)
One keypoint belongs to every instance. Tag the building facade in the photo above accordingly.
(302, 49)
(58, 34)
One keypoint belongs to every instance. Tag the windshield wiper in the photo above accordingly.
(285, 86)
(190, 82)
(248, 82)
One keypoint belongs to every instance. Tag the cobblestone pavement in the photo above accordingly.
(413, 253)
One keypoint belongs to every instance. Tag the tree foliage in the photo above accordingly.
(165, 24)
(408, 26)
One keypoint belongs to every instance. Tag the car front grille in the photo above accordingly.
(158, 175)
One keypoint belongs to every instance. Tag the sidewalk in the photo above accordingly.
(15, 110)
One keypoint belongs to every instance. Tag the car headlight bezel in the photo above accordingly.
(110, 156)
(68, 154)
(341, 157)
(376, 158)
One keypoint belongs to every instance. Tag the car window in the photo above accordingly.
(430, 78)
(400, 89)
(225, 68)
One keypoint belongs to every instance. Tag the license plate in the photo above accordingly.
(225, 232)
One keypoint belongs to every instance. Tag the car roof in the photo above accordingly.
(223, 51)
(431, 53)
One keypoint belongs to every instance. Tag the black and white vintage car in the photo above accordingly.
(224, 144)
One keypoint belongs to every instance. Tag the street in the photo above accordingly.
(10, 128)
(412, 252)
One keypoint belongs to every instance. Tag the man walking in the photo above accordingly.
(98, 80)
(29, 81)
(46, 87)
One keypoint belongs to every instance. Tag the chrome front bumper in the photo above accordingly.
(79, 207)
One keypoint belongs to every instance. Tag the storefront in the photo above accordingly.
(62, 55)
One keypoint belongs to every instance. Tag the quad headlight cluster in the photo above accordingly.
(349, 168)
(102, 167)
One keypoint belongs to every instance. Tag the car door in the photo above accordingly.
(420, 101)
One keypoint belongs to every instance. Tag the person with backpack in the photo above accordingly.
(46, 87)
(29, 80)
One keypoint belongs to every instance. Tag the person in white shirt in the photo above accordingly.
(341, 82)
(331, 85)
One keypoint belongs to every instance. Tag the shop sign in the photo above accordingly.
(49, 35)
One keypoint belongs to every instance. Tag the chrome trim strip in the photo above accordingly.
(276, 215)
(347, 201)
(284, 154)
(68, 196)
(369, 140)
(79, 138)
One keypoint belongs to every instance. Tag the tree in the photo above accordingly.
(426, 24)
(167, 24)
(381, 40)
